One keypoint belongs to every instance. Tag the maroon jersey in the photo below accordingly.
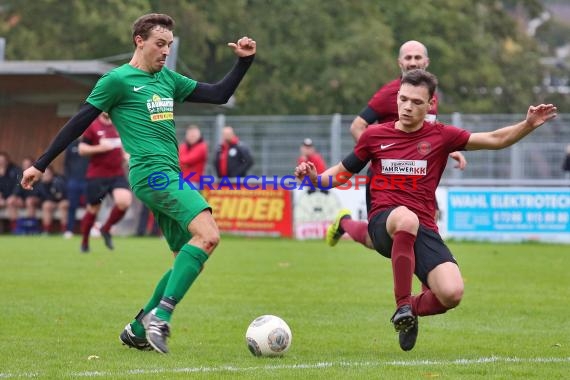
(384, 103)
(407, 167)
(110, 163)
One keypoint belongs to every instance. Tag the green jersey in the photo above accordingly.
(141, 106)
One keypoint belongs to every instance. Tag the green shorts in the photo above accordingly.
(173, 208)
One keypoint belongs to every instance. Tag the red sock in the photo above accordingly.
(403, 264)
(356, 229)
(47, 228)
(426, 303)
(13, 224)
(86, 224)
(116, 215)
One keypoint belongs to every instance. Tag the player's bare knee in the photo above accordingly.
(93, 209)
(403, 219)
(123, 206)
(207, 239)
(123, 201)
(452, 297)
(212, 240)
(204, 230)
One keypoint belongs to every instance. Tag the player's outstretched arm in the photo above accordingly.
(66, 135)
(332, 177)
(220, 92)
(507, 136)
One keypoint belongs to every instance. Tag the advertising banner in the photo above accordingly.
(508, 214)
(261, 212)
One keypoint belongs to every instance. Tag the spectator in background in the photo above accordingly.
(20, 198)
(75, 167)
(105, 175)
(193, 154)
(52, 193)
(8, 178)
(308, 152)
(233, 158)
(566, 163)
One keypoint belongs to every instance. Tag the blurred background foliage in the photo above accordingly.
(317, 56)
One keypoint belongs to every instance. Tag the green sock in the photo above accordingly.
(136, 326)
(187, 266)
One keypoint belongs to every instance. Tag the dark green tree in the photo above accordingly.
(483, 61)
(315, 56)
(68, 29)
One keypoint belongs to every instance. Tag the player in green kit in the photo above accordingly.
(140, 96)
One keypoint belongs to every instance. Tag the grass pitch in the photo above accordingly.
(63, 312)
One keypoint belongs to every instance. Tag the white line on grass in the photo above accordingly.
(341, 364)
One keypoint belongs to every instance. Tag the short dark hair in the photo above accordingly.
(419, 77)
(144, 24)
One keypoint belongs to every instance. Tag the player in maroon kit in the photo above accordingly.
(411, 154)
(382, 108)
(105, 175)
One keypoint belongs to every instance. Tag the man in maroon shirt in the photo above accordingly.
(407, 158)
(382, 108)
(193, 154)
(105, 175)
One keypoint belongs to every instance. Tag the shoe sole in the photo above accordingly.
(125, 343)
(126, 340)
(332, 241)
(134, 347)
(156, 348)
(410, 345)
(405, 323)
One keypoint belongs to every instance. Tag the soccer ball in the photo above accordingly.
(268, 335)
